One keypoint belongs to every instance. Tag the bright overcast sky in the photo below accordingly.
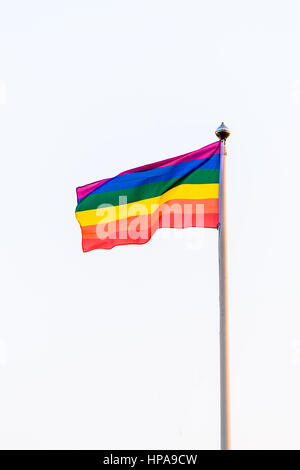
(119, 349)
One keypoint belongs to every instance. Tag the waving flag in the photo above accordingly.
(180, 192)
(127, 209)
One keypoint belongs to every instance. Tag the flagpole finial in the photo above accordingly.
(222, 132)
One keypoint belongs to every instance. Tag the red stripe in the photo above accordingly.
(123, 238)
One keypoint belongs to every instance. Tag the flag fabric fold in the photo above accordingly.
(127, 209)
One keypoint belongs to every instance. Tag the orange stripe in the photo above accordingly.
(89, 244)
(181, 213)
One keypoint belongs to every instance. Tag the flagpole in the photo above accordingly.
(223, 132)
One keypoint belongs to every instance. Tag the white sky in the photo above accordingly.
(119, 349)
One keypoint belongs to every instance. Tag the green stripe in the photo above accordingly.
(147, 191)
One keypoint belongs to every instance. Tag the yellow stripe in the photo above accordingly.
(147, 206)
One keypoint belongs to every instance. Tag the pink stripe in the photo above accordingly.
(83, 191)
(204, 152)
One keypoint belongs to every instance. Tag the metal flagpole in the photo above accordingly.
(223, 132)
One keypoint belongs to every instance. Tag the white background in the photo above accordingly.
(119, 349)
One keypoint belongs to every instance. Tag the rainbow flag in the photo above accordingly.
(127, 209)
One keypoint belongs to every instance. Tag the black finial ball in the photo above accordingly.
(222, 132)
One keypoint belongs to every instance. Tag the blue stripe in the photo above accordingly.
(132, 180)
